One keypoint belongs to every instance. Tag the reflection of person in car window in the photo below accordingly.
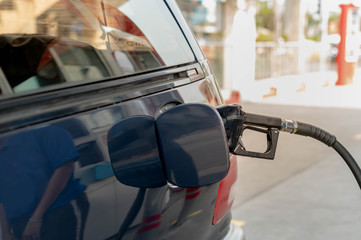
(38, 193)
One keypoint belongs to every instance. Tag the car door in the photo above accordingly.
(70, 71)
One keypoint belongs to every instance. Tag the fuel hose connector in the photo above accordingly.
(289, 126)
(308, 130)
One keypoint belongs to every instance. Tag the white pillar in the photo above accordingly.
(242, 44)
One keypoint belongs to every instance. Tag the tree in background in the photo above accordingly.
(264, 21)
(312, 29)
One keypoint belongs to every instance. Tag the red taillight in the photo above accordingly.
(226, 193)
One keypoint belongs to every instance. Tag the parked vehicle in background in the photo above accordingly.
(69, 72)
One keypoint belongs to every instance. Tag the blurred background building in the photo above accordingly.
(252, 43)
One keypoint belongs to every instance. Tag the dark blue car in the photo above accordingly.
(89, 148)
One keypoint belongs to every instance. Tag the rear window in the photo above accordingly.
(45, 42)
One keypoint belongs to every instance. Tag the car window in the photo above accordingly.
(45, 43)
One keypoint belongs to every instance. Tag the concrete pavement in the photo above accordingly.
(307, 192)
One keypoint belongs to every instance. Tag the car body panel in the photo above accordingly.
(83, 110)
(105, 193)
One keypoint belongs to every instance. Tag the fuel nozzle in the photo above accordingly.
(236, 121)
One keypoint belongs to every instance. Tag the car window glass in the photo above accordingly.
(44, 43)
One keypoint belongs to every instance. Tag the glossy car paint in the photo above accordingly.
(134, 153)
(188, 134)
(87, 112)
(110, 200)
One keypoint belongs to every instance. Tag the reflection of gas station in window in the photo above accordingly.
(86, 40)
(102, 25)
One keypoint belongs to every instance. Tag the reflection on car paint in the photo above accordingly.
(85, 43)
(34, 200)
(111, 201)
(87, 40)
